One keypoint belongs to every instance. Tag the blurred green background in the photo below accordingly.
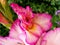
(38, 6)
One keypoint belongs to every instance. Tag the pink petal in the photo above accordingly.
(44, 20)
(29, 12)
(10, 41)
(31, 39)
(23, 37)
(17, 9)
(16, 30)
(52, 37)
(22, 12)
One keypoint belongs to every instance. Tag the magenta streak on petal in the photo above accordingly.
(40, 39)
(43, 42)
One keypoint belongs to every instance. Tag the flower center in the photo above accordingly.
(27, 23)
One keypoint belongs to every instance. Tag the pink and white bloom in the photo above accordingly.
(52, 37)
(29, 26)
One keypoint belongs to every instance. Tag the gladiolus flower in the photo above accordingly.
(52, 37)
(29, 26)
